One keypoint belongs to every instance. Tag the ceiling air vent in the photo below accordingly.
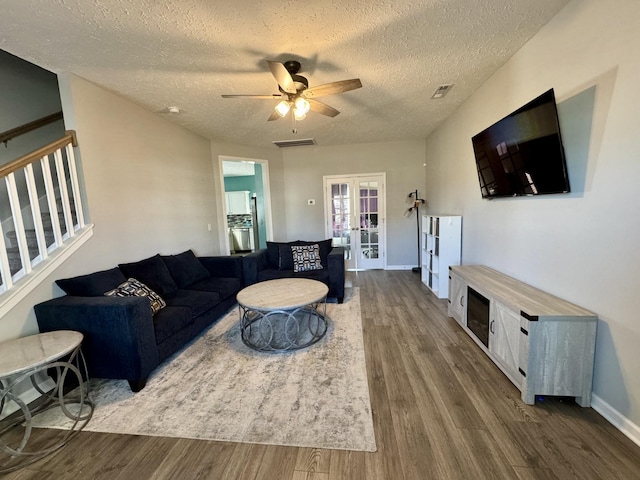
(442, 90)
(294, 143)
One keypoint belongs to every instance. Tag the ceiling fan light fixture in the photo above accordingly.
(302, 106)
(283, 107)
(298, 115)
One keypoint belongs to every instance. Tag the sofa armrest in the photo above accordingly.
(335, 262)
(119, 338)
(224, 266)
(252, 264)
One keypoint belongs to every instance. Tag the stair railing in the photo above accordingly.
(61, 207)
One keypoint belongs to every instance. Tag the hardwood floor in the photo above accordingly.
(441, 410)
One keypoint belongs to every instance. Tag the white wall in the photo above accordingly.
(583, 246)
(304, 168)
(149, 189)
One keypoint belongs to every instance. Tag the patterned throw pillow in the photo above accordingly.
(306, 257)
(135, 288)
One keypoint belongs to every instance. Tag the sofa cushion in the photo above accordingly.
(285, 256)
(152, 272)
(319, 275)
(273, 253)
(93, 284)
(225, 286)
(306, 258)
(272, 274)
(185, 268)
(198, 301)
(134, 288)
(170, 320)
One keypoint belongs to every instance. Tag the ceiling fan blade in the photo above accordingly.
(323, 108)
(332, 88)
(264, 97)
(282, 76)
(274, 116)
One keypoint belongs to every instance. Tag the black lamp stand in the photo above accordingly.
(417, 201)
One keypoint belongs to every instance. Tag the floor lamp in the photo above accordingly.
(416, 202)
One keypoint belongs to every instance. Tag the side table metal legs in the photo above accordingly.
(82, 410)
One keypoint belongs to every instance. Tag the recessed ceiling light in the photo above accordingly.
(442, 90)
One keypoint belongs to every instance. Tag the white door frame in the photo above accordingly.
(382, 212)
(267, 197)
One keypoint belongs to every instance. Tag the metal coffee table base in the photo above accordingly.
(282, 330)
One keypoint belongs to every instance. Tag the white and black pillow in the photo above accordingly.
(306, 257)
(135, 288)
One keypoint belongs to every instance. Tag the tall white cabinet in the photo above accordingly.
(441, 241)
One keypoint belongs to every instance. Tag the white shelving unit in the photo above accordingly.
(441, 240)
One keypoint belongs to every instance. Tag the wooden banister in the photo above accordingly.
(69, 138)
(28, 127)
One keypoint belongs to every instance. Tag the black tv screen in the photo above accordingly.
(522, 154)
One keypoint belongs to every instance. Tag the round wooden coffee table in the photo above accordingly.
(283, 314)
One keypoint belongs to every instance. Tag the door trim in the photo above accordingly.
(266, 184)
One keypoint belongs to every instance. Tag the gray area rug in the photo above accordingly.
(219, 389)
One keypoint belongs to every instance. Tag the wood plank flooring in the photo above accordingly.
(441, 410)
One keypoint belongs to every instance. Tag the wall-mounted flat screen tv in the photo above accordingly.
(522, 154)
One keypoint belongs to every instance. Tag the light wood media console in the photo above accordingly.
(542, 343)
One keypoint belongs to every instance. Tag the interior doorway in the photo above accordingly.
(355, 218)
(247, 203)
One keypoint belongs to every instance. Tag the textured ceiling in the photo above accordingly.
(187, 53)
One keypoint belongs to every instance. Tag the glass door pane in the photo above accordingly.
(341, 199)
(370, 216)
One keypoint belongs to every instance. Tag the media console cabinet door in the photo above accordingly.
(504, 339)
(457, 298)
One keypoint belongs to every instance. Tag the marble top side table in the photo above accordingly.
(22, 359)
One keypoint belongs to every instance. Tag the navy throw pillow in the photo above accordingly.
(285, 260)
(185, 268)
(273, 254)
(93, 284)
(153, 273)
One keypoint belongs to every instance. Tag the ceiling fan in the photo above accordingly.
(296, 95)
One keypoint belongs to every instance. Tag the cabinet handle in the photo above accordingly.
(491, 326)
(462, 301)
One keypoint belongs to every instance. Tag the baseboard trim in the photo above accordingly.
(399, 267)
(614, 417)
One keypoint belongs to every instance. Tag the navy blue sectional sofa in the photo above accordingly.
(123, 337)
(277, 261)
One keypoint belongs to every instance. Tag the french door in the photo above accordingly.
(355, 218)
